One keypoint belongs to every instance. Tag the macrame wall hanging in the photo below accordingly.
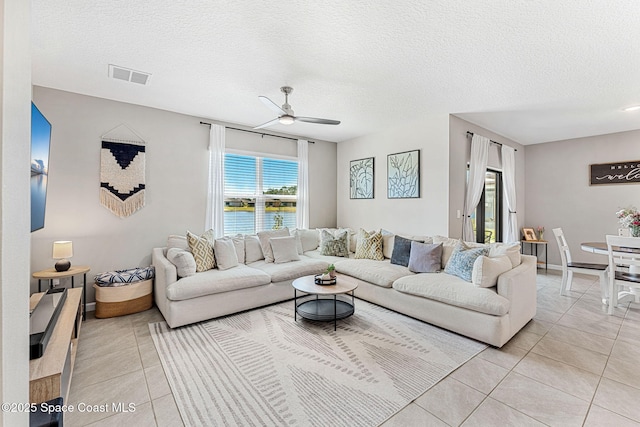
(122, 165)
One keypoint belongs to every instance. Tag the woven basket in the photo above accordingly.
(123, 300)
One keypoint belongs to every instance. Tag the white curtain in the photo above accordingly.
(509, 178)
(215, 194)
(302, 208)
(475, 184)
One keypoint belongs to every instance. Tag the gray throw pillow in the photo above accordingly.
(401, 251)
(461, 262)
(425, 257)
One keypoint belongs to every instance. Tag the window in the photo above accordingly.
(487, 220)
(260, 193)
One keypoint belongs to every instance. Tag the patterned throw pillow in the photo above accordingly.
(461, 262)
(202, 249)
(334, 245)
(369, 245)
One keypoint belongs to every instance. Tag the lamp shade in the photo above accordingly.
(62, 249)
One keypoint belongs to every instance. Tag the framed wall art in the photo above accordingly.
(403, 175)
(361, 178)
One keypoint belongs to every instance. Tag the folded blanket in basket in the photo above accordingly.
(124, 277)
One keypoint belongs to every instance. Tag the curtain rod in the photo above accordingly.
(495, 142)
(259, 133)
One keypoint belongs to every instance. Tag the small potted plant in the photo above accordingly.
(331, 271)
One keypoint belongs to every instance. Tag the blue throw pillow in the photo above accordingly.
(461, 262)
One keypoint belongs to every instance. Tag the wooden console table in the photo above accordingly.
(50, 274)
(50, 375)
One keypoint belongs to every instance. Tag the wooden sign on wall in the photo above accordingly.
(615, 173)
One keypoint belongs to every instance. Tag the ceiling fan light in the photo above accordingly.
(286, 120)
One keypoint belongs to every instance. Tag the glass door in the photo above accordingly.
(487, 223)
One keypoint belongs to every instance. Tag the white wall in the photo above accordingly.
(425, 215)
(15, 114)
(459, 155)
(558, 193)
(176, 175)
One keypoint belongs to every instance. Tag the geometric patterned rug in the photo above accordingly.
(261, 368)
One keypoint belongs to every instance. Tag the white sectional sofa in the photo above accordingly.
(489, 314)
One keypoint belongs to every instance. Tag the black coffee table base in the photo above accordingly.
(324, 309)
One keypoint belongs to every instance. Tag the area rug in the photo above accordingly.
(262, 368)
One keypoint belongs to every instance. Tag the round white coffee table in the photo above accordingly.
(323, 309)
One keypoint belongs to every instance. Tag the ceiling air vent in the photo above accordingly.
(128, 74)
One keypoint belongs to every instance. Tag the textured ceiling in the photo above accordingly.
(533, 71)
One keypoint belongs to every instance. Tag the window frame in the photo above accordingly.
(260, 197)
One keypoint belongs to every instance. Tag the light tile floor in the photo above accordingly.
(571, 365)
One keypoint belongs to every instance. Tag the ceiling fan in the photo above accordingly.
(285, 113)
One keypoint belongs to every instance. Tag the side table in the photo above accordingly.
(533, 250)
(50, 274)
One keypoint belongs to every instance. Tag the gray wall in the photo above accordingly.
(425, 215)
(176, 181)
(15, 113)
(558, 193)
(459, 155)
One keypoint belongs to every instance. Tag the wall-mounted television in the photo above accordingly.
(40, 143)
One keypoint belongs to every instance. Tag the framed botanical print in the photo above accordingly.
(361, 178)
(403, 175)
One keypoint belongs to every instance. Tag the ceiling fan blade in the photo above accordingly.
(269, 123)
(318, 121)
(272, 105)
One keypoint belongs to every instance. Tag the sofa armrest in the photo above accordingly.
(518, 285)
(166, 274)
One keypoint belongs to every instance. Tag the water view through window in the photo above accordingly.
(260, 193)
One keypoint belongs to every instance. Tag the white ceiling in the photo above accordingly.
(533, 71)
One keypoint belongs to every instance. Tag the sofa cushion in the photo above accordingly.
(175, 241)
(381, 273)
(309, 238)
(216, 281)
(225, 253)
(327, 258)
(425, 257)
(486, 270)
(461, 262)
(265, 236)
(498, 249)
(388, 239)
(290, 270)
(252, 249)
(334, 244)
(202, 249)
(284, 249)
(183, 260)
(454, 291)
(238, 243)
(369, 245)
(448, 245)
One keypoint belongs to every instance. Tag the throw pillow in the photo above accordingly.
(202, 249)
(252, 249)
(225, 253)
(461, 262)
(331, 245)
(264, 237)
(401, 251)
(369, 245)
(238, 243)
(175, 241)
(298, 236)
(486, 270)
(387, 243)
(425, 257)
(511, 250)
(284, 249)
(448, 245)
(183, 260)
(310, 239)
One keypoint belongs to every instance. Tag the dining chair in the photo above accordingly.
(622, 283)
(569, 267)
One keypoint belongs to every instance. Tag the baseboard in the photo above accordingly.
(91, 306)
(554, 267)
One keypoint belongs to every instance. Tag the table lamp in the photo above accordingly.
(62, 250)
